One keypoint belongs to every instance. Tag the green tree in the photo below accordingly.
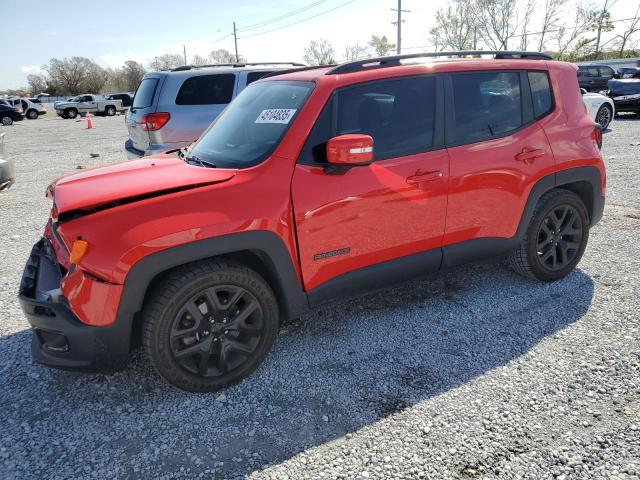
(381, 45)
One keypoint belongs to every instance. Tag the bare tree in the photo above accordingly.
(454, 26)
(631, 27)
(354, 52)
(570, 38)
(526, 19)
(604, 23)
(381, 45)
(76, 75)
(224, 56)
(199, 60)
(37, 83)
(132, 73)
(319, 52)
(166, 61)
(497, 22)
(550, 19)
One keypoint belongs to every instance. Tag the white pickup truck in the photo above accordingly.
(94, 104)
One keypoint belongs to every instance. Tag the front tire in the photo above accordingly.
(556, 238)
(32, 114)
(6, 121)
(209, 324)
(71, 113)
(604, 115)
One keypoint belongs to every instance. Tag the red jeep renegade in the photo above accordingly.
(313, 185)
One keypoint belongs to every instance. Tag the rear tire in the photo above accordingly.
(209, 324)
(110, 111)
(6, 121)
(555, 239)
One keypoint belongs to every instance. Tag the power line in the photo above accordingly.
(281, 17)
(298, 21)
(223, 37)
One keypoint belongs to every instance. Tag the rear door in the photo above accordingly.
(497, 150)
(144, 102)
(392, 208)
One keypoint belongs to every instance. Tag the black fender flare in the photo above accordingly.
(269, 248)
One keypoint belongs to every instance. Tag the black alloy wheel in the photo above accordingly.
(559, 237)
(555, 239)
(217, 330)
(209, 324)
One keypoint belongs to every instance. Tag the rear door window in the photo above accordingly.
(485, 105)
(540, 93)
(206, 90)
(144, 94)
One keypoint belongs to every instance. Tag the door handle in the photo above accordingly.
(424, 176)
(529, 155)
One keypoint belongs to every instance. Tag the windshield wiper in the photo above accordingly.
(199, 161)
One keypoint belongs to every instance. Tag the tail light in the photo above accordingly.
(597, 135)
(155, 121)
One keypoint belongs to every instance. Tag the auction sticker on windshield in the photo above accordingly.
(276, 115)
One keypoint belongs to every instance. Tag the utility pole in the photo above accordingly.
(184, 52)
(235, 41)
(475, 38)
(399, 25)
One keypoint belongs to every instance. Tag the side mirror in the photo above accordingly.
(346, 151)
(583, 91)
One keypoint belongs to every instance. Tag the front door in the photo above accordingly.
(390, 209)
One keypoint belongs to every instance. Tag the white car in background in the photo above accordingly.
(599, 107)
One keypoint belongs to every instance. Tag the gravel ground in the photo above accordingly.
(477, 373)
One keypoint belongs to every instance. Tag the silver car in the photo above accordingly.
(32, 110)
(172, 108)
(6, 168)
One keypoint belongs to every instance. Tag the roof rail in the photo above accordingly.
(234, 65)
(298, 69)
(394, 60)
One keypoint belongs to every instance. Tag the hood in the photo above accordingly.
(130, 181)
(629, 86)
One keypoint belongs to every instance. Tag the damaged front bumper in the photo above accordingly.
(59, 338)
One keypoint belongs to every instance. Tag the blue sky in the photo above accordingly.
(115, 31)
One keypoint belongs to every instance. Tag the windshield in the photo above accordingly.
(75, 99)
(251, 127)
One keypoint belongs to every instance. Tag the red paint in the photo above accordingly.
(350, 149)
(94, 302)
(385, 210)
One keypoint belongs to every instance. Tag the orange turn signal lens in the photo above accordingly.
(78, 250)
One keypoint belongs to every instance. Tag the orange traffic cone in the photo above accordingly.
(89, 124)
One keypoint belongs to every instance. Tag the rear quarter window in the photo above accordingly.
(206, 90)
(540, 93)
(144, 94)
(253, 76)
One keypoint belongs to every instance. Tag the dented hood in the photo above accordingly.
(130, 181)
